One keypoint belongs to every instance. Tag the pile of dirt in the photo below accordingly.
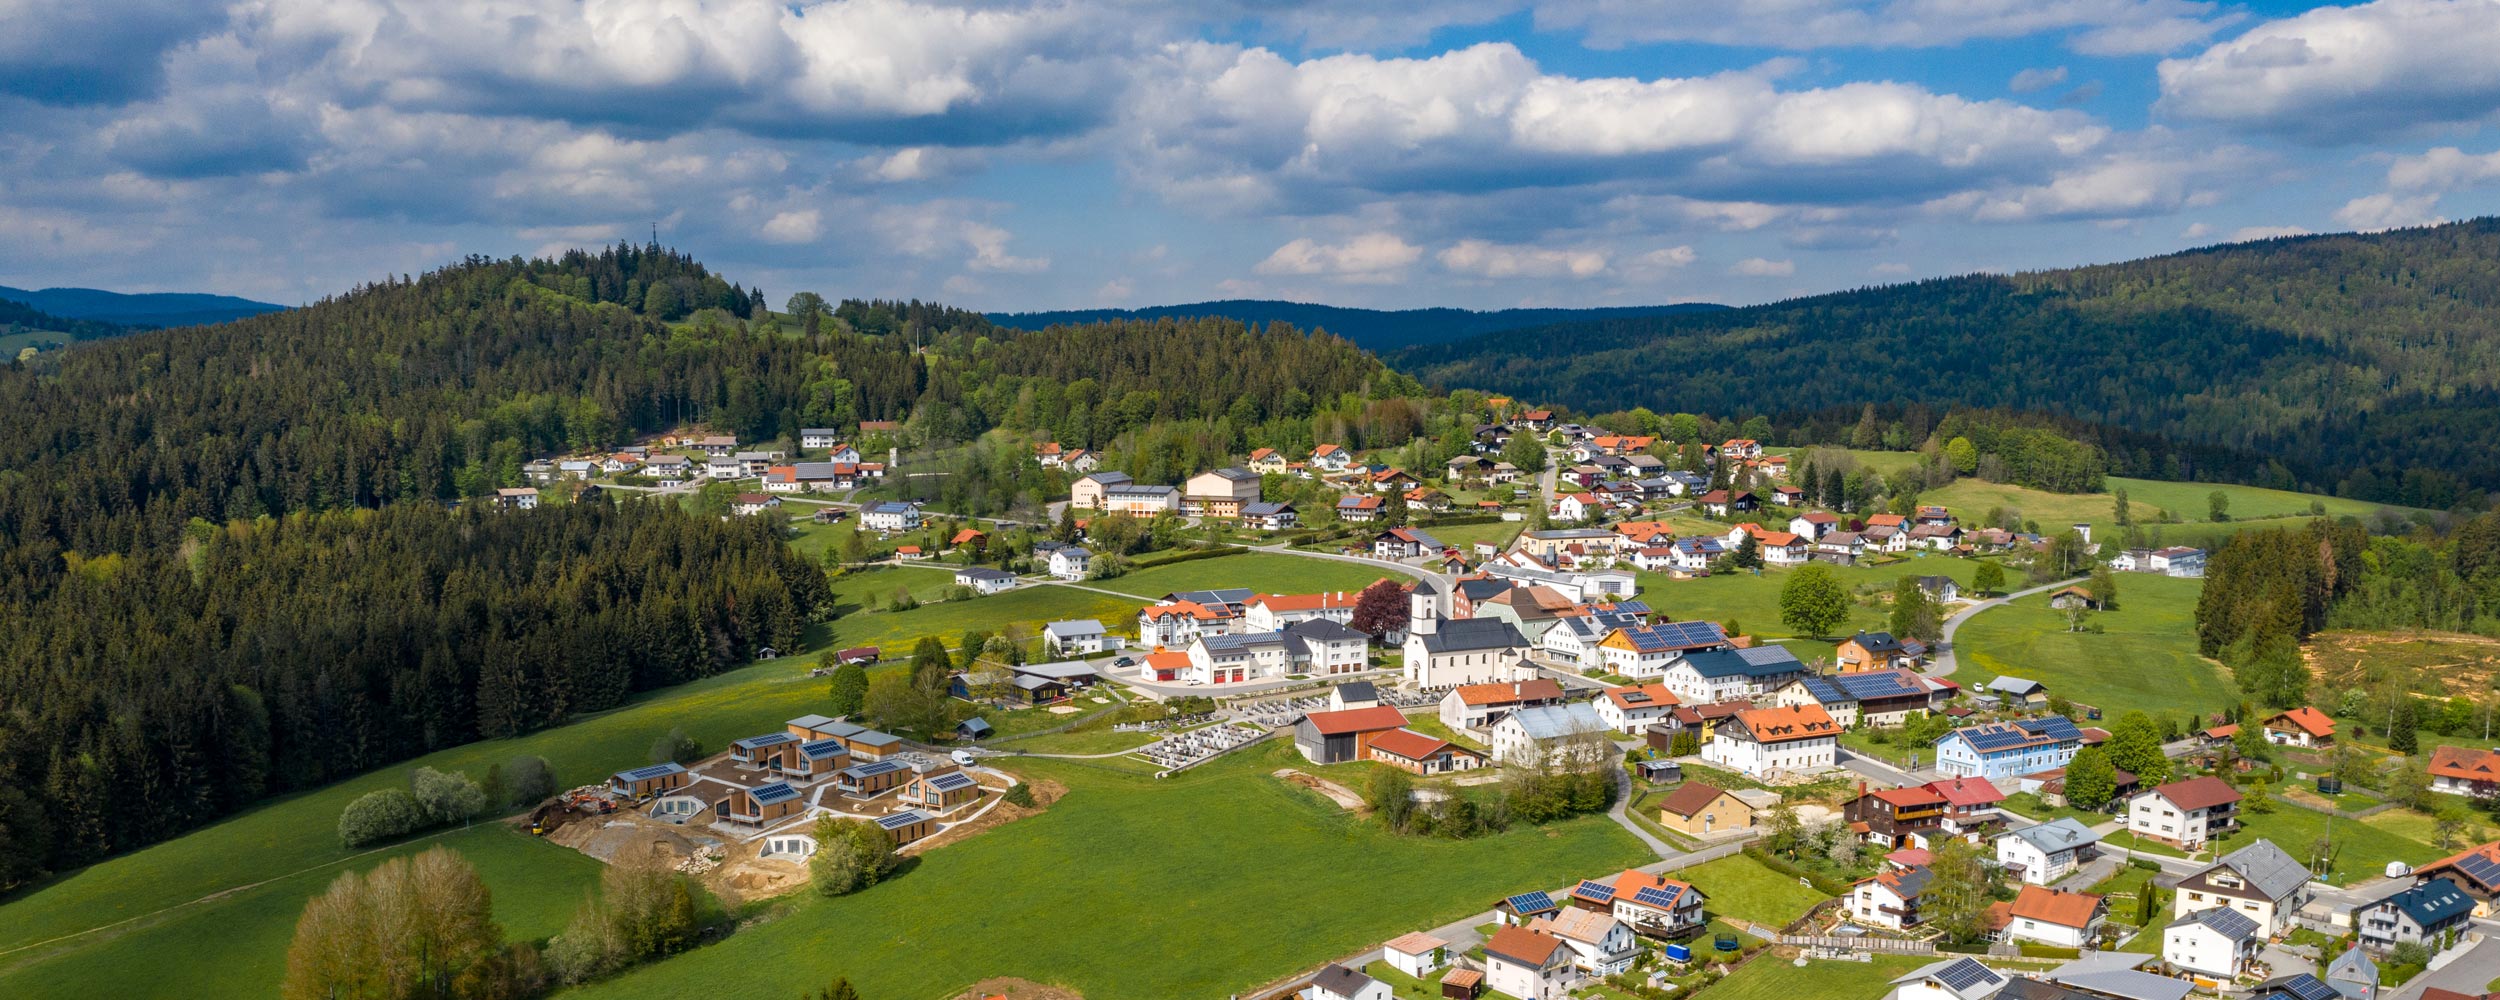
(1013, 988)
(625, 837)
(2458, 663)
(1339, 794)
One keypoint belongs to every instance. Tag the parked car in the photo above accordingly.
(963, 757)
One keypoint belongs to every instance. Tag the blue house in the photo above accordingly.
(1996, 750)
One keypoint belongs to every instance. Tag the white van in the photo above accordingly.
(963, 757)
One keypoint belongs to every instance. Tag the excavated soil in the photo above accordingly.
(1013, 988)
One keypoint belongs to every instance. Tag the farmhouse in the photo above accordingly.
(1475, 706)
(2001, 750)
(2465, 771)
(1551, 730)
(1728, 674)
(1631, 710)
(2303, 727)
(1762, 741)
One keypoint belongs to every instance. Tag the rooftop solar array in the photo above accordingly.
(2480, 867)
(821, 749)
(2303, 987)
(2056, 727)
(779, 791)
(1595, 891)
(951, 781)
(650, 772)
(766, 740)
(1531, 902)
(874, 768)
(901, 819)
(1961, 976)
(1880, 684)
(1658, 896)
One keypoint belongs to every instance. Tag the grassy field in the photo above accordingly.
(1971, 499)
(872, 588)
(2144, 657)
(1261, 572)
(1250, 868)
(1029, 607)
(1743, 888)
(1770, 978)
(1499, 533)
(244, 937)
(1753, 600)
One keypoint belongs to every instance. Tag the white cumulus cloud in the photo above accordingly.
(1367, 257)
(1757, 267)
(2339, 74)
(1486, 259)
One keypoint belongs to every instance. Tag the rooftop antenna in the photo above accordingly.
(655, 234)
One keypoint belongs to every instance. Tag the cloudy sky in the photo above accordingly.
(1079, 153)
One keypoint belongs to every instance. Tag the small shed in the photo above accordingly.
(974, 729)
(1416, 953)
(1462, 984)
(858, 654)
(1662, 770)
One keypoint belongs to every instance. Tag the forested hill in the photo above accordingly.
(1374, 329)
(18, 316)
(145, 309)
(2367, 365)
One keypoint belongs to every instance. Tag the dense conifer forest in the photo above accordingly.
(2366, 365)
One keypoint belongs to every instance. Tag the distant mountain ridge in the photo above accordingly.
(141, 309)
(1374, 329)
(2365, 364)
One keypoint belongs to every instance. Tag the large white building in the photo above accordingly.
(1550, 730)
(1716, 675)
(1788, 740)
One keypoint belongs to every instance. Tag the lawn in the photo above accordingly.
(1971, 499)
(1744, 888)
(1753, 599)
(1862, 742)
(2029, 804)
(2420, 827)
(243, 938)
(2361, 849)
(1261, 572)
(1770, 978)
(1465, 536)
(869, 589)
(1029, 606)
(1403, 986)
(1244, 923)
(2143, 657)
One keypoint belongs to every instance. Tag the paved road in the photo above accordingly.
(1621, 814)
(2466, 973)
(1946, 663)
(1881, 771)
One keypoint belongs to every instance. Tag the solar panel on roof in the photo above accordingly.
(775, 792)
(900, 820)
(652, 771)
(1660, 897)
(2480, 868)
(2056, 727)
(1594, 890)
(1965, 974)
(1531, 902)
(951, 781)
(2307, 987)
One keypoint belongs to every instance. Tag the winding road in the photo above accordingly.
(1946, 662)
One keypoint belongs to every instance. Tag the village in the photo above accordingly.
(1467, 661)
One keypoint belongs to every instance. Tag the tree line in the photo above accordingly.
(2364, 365)
(149, 693)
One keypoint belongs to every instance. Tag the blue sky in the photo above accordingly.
(1075, 153)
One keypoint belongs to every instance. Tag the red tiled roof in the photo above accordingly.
(1966, 792)
(1788, 722)
(2201, 792)
(2490, 851)
(2065, 909)
(1511, 692)
(1357, 720)
(1905, 798)
(2307, 720)
(1522, 944)
(1409, 744)
(1659, 697)
(2465, 764)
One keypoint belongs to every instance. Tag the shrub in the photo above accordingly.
(851, 855)
(446, 797)
(1019, 794)
(528, 779)
(380, 816)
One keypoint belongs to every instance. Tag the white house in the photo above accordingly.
(2259, 881)
(1648, 904)
(1070, 563)
(813, 438)
(1632, 710)
(1574, 640)
(984, 580)
(890, 515)
(1647, 650)
(524, 498)
(1079, 637)
(1417, 954)
(1336, 982)
(1272, 612)
(1578, 506)
(1474, 706)
(1547, 729)
(1529, 964)
(1890, 899)
(2185, 813)
(2043, 854)
(2058, 919)
(2002, 750)
(1232, 659)
(1787, 739)
(1600, 944)
(2216, 942)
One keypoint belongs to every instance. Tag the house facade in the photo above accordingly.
(2185, 814)
(2000, 751)
(2259, 881)
(1787, 740)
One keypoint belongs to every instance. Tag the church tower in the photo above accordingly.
(1423, 607)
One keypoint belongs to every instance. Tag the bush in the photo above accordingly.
(851, 855)
(446, 797)
(1019, 794)
(677, 747)
(528, 779)
(380, 816)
